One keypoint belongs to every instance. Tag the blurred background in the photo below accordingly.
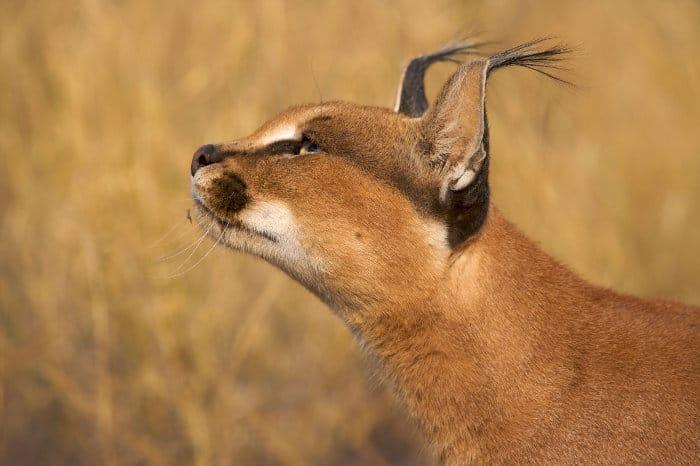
(110, 354)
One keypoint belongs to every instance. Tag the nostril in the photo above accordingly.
(205, 155)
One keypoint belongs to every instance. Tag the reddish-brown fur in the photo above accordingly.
(502, 354)
(513, 359)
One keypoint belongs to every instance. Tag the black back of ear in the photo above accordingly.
(467, 209)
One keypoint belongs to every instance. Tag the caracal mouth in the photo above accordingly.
(226, 226)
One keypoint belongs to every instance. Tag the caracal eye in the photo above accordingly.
(308, 147)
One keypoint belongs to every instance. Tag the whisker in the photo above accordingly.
(176, 240)
(199, 242)
(206, 254)
(185, 249)
(166, 235)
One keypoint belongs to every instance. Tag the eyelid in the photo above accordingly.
(291, 146)
(282, 146)
(306, 139)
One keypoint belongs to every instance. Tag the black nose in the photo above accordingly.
(205, 155)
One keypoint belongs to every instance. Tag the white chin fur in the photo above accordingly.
(273, 236)
(273, 218)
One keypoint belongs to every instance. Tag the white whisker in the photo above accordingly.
(206, 254)
(185, 249)
(167, 234)
(196, 246)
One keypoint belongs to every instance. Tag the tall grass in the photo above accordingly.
(105, 360)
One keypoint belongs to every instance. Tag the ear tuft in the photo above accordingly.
(529, 55)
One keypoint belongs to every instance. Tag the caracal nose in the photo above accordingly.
(205, 155)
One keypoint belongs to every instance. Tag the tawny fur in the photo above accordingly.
(513, 359)
(501, 354)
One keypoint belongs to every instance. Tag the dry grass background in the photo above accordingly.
(103, 361)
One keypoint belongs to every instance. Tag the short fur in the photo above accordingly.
(502, 354)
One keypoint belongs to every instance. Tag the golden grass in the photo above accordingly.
(103, 361)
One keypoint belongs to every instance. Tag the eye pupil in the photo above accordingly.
(308, 147)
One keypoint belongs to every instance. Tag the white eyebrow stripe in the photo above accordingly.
(282, 133)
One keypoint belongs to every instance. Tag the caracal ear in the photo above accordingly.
(455, 133)
(454, 128)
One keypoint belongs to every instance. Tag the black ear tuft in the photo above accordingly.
(529, 55)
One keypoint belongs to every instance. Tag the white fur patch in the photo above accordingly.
(436, 234)
(194, 190)
(464, 180)
(281, 133)
(275, 219)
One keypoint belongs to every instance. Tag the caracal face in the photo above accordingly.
(339, 196)
(363, 205)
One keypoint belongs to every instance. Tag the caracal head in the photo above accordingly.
(363, 205)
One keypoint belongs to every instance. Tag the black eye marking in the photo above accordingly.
(287, 146)
(290, 146)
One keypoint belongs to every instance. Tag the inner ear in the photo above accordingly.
(456, 126)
